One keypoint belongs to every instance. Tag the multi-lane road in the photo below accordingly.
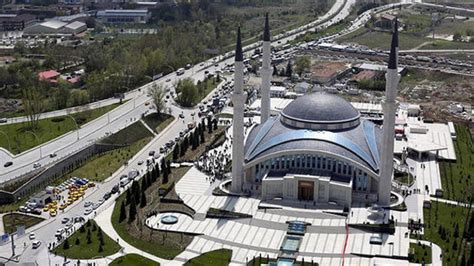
(113, 122)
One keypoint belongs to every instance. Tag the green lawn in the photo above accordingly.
(444, 217)
(450, 27)
(129, 135)
(83, 250)
(158, 122)
(104, 165)
(10, 221)
(459, 175)
(133, 260)
(220, 257)
(381, 40)
(21, 139)
(421, 253)
(164, 245)
(447, 45)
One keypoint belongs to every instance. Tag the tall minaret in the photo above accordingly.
(389, 108)
(238, 100)
(266, 73)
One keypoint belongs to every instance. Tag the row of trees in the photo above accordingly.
(136, 195)
(195, 138)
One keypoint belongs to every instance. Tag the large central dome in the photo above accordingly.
(320, 111)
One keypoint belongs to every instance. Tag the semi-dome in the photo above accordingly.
(320, 111)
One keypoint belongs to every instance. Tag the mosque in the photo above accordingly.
(318, 149)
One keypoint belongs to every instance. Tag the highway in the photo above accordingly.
(112, 122)
(120, 116)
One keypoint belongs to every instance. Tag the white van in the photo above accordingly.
(36, 244)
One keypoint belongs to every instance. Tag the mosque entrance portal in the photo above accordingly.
(305, 190)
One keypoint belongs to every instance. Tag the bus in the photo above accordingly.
(180, 71)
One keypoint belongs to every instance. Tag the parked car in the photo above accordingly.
(3, 120)
(87, 211)
(115, 189)
(8, 164)
(32, 236)
(65, 220)
(151, 153)
(107, 195)
(52, 155)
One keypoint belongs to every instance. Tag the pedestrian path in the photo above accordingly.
(436, 252)
(104, 220)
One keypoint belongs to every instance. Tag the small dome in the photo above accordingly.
(315, 109)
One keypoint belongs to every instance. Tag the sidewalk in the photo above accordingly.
(435, 252)
(104, 221)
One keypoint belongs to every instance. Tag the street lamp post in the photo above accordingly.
(77, 126)
(37, 141)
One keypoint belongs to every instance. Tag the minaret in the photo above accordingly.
(238, 100)
(389, 108)
(266, 73)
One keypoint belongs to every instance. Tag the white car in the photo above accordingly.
(36, 165)
(87, 204)
(32, 236)
(87, 211)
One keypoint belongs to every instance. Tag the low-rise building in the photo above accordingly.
(50, 76)
(14, 22)
(56, 27)
(124, 16)
(278, 91)
(327, 73)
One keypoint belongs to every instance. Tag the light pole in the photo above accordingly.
(77, 126)
(38, 141)
(8, 139)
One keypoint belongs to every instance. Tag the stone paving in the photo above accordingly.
(324, 241)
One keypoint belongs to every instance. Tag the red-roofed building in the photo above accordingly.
(49, 76)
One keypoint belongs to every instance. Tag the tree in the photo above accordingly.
(33, 105)
(275, 70)
(289, 69)
(128, 195)
(82, 229)
(101, 249)
(188, 92)
(457, 37)
(132, 212)
(66, 244)
(209, 125)
(215, 124)
(176, 152)
(143, 200)
(144, 186)
(157, 94)
(89, 238)
(122, 215)
(302, 63)
(78, 241)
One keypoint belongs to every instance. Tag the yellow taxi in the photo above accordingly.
(62, 207)
(52, 213)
